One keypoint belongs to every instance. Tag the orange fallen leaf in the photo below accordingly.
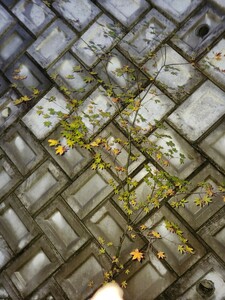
(19, 77)
(137, 255)
(170, 192)
(120, 169)
(115, 100)
(218, 56)
(161, 255)
(166, 163)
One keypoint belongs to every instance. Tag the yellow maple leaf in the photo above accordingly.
(116, 151)
(137, 255)
(115, 259)
(87, 146)
(129, 228)
(53, 142)
(36, 91)
(158, 156)
(124, 284)
(106, 275)
(96, 143)
(156, 234)
(60, 150)
(189, 249)
(91, 284)
(161, 255)
(143, 227)
(101, 240)
(127, 271)
(25, 98)
(94, 166)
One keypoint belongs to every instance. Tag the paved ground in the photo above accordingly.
(53, 208)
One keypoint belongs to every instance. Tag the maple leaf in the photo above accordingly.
(115, 259)
(166, 163)
(87, 146)
(170, 192)
(101, 166)
(143, 227)
(91, 284)
(53, 142)
(127, 271)
(156, 234)
(60, 150)
(115, 100)
(36, 92)
(96, 143)
(181, 249)
(88, 79)
(70, 143)
(47, 123)
(161, 255)
(116, 151)
(77, 68)
(189, 249)
(129, 228)
(101, 240)
(137, 255)
(19, 77)
(101, 250)
(107, 147)
(107, 275)
(120, 169)
(146, 210)
(94, 166)
(221, 188)
(158, 156)
(70, 76)
(16, 71)
(209, 191)
(25, 98)
(218, 56)
(124, 284)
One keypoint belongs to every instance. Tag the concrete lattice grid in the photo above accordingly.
(53, 208)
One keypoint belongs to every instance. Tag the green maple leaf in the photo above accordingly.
(181, 249)
(47, 123)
